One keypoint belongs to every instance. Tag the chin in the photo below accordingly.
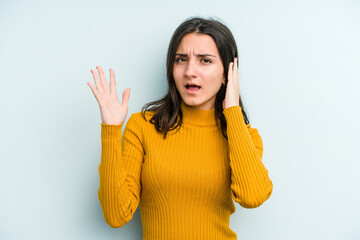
(191, 103)
(196, 104)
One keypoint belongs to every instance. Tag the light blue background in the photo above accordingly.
(299, 79)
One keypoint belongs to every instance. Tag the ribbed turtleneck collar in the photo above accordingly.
(198, 117)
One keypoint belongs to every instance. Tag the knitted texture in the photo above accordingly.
(185, 184)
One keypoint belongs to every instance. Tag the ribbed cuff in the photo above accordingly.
(233, 113)
(237, 130)
(231, 109)
(111, 132)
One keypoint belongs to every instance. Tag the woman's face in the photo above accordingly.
(198, 62)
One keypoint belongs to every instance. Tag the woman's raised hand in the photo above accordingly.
(112, 111)
(232, 96)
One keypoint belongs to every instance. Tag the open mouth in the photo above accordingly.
(192, 87)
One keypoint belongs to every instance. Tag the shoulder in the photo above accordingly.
(139, 119)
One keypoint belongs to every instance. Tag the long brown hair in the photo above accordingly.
(168, 115)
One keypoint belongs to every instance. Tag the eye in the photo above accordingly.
(180, 59)
(205, 60)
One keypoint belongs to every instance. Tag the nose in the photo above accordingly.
(190, 71)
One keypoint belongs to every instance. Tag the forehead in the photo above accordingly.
(197, 43)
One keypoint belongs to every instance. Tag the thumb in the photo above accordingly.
(126, 96)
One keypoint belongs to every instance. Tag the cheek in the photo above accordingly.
(176, 73)
(217, 79)
(177, 80)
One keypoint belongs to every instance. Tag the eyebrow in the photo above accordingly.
(198, 55)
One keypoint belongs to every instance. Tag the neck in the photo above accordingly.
(198, 117)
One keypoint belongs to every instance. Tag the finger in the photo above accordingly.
(113, 83)
(96, 80)
(236, 65)
(102, 78)
(93, 89)
(126, 96)
(230, 73)
(236, 73)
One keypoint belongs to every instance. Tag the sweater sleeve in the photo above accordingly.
(119, 170)
(250, 183)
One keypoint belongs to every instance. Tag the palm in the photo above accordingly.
(112, 109)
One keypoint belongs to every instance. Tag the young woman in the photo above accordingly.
(187, 156)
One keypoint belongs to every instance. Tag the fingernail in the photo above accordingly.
(91, 70)
(236, 58)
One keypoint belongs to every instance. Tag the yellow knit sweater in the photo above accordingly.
(184, 184)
